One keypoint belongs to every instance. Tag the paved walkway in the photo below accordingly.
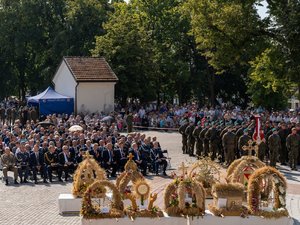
(38, 204)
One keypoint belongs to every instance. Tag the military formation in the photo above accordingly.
(223, 142)
(8, 115)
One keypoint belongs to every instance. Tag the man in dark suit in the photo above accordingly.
(107, 160)
(158, 158)
(138, 159)
(66, 161)
(23, 163)
(98, 153)
(51, 163)
(78, 158)
(36, 163)
(119, 156)
(74, 150)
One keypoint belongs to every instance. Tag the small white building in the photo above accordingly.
(90, 81)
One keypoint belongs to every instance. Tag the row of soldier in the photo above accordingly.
(43, 159)
(279, 142)
(10, 114)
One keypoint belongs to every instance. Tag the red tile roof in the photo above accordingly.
(90, 69)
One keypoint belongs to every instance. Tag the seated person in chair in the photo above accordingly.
(36, 163)
(8, 161)
(108, 160)
(119, 156)
(138, 158)
(66, 161)
(51, 162)
(23, 163)
(158, 158)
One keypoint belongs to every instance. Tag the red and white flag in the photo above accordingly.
(258, 133)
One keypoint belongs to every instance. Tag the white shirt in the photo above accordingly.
(66, 158)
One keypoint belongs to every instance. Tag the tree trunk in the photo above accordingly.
(212, 96)
(22, 84)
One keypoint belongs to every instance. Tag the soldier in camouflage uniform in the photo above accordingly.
(283, 134)
(293, 145)
(243, 141)
(191, 140)
(211, 135)
(239, 133)
(229, 143)
(262, 149)
(274, 144)
(199, 143)
(181, 130)
(204, 140)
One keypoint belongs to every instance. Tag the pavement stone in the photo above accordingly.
(30, 204)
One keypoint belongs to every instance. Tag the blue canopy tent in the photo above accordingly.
(49, 102)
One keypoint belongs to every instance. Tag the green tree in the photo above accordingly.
(124, 46)
(227, 32)
(35, 34)
(267, 80)
(284, 22)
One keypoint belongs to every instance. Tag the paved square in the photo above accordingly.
(30, 204)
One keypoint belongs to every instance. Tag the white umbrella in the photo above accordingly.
(75, 128)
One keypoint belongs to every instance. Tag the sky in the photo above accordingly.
(262, 10)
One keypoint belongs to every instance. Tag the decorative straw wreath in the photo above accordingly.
(207, 172)
(88, 211)
(174, 198)
(131, 173)
(142, 193)
(278, 188)
(87, 172)
(228, 191)
(235, 169)
(254, 163)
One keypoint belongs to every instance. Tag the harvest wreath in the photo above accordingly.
(98, 190)
(142, 193)
(207, 172)
(87, 172)
(278, 188)
(131, 173)
(236, 168)
(184, 196)
(227, 200)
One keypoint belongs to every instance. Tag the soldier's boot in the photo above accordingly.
(16, 182)
(25, 180)
(6, 181)
(21, 180)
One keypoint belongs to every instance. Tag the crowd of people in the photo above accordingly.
(31, 148)
(39, 150)
(224, 139)
(172, 115)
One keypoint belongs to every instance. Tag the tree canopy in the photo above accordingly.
(160, 49)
